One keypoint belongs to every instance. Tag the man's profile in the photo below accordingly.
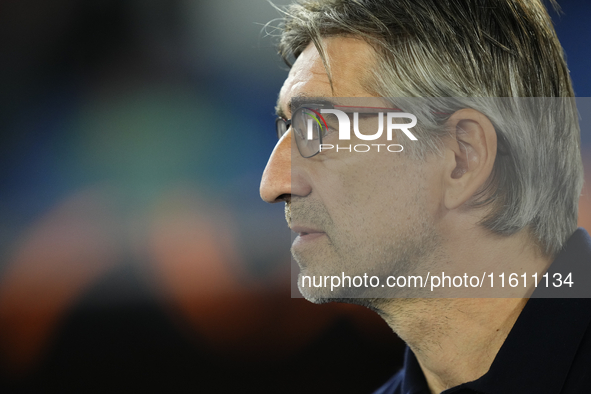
(487, 185)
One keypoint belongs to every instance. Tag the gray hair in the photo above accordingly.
(484, 54)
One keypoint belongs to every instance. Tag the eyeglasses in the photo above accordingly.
(309, 127)
(306, 118)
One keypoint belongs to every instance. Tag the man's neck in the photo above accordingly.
(456, 340)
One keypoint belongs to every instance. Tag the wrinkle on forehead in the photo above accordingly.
(349, 59)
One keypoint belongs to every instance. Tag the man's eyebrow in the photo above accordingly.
(295, 101)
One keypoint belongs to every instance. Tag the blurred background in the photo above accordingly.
(135, 252)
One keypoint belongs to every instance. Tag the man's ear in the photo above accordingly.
(470, 152)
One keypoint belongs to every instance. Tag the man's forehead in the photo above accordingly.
(349, 59)
(347, 104)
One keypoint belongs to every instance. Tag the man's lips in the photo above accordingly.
(303, 231)
(306, 235)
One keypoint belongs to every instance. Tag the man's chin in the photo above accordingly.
(324, 295)
(369, 297)
(373, 304)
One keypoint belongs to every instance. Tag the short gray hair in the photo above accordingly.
(468, 49)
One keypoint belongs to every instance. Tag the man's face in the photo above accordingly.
(354, 213)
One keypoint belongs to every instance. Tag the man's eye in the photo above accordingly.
(333, 126)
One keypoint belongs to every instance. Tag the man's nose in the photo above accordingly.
(276, 180)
